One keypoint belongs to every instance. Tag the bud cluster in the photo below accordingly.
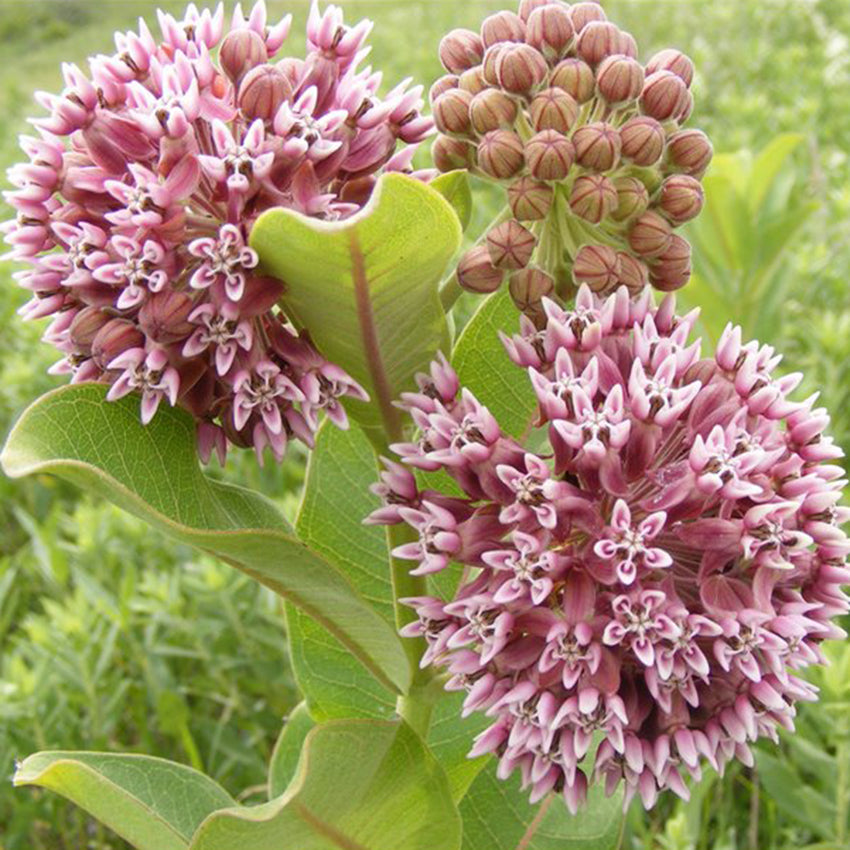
(553, 103)
(143, 183)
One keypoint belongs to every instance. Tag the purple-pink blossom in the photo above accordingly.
(655, 573)
(144, 180)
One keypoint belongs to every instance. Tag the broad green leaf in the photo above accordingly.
(152, 471)
(359, 785)
(366, 288)
(152, 803)
(336, 499)
(454, 187)
(497, 816)
(484, 366)
(767, 166)
(287, 749)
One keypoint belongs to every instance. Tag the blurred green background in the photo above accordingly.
(112, 638)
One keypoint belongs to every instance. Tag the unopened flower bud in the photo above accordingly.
(582, 14)
(461, 50)
(165, 317)
(292, 69)
(491, 110)
(632, 198)
(115, 338)
(262, 91)
(511, 245)
(526, 7)
(650, 235)
(675, 61)
(241, 50)
(672, 269)
(550, 30)
(501, 27)
(598, 266)
(358, 191)
(690, 151)
(597, 41)
(520, 69)
(597, 146)
(450, 154)
(442, 85)
(501, 154)
(529, 199)
(488, 66)
(554, 109)
(473, 81)
(528, 288)
(628, 45)
(475, 272)
(86, 326)
(664, 96)
(643, 141)
(682, 198)
(575, 78)
(451, 112)
(619, 79)
(634, 274)
(550, 155)
(593, 198)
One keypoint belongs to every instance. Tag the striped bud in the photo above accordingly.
(674, 61)
(442, 85)
(488, 66)
(690, 151)
(554, 109)
(450, 154)
(575, 78)
(593, 198)
(501, 154)
(475, 272)
(634, 274)
(582, 14)
(664, 96)
(164, 317)
(619, 79)
(598, 40)
(598, 266)
(451, 112)
(526, 7)
(115, 338)
(262, 91)
(520, 69)
(672, 269)
(86, 326)
(550, 30)
(642, 141)
(597, 146)
(511, 245)
(473, 81)
(650, 235)
(241, 50)
(461, 50)
(681, 199)
(502, 27)
(529, 199)
(632, 198)
(550, 155)
(528, 288)
(491, 110)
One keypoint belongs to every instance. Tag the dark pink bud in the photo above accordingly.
(461, 50)
(262, 92)
(511, 245)
(526, 7)
(598, 266)
(501, 27)
(554, 109)
(690, 151)
(550, 30)
(550, 155)
(650, 235)
(520, 69)
(575, 78)
(598, 40)
(619, 79)
(241, 50)
(441, 86)
(450, 154)
(597, 146)
(672, 269)
(643, 140)
(501, 154)
(664, 96)
(164, 318)
(528, 287)
(115, 338)
(529, 199)
(473, 81)
(675, 61)
(86, 326)
(593, 198)
(634, 274)
(682, 198)
(451, 112)
(292, 69)
(491, 110)
(476, 273)
(632, 198)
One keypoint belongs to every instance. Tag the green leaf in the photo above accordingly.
(367, 288)
(336, 499)
(360, 785)
(497, 816)
(767, 166)
(287, 750)
(152, 471)
(454, 187)
(484, 367)
(151, 803)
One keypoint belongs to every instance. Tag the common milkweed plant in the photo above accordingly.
(565, 560)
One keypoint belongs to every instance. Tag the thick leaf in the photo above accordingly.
(483, 365)
(367, 288)
(287, 750)
(770, 161)
(151, 803)
(152, 471)
(454, 187)
(497, 816)
(360, 785)
(336, 499)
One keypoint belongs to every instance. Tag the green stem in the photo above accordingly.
(842, 786)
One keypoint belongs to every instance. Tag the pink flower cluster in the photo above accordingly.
(654, 572)
(142, 186)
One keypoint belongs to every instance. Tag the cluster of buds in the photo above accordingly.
(654, 578)
(553, 104)
(142, 186)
